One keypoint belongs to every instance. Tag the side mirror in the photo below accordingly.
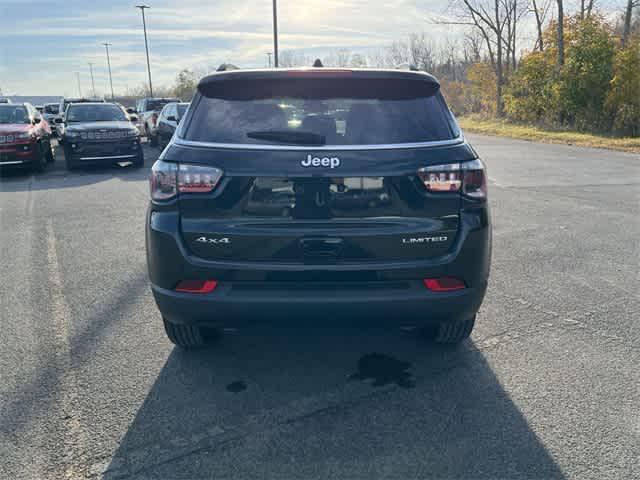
(133, 118)
(171, 118)
(58, 120)
(37, 120)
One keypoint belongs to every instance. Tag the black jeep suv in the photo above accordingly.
(98, 133)
(312, 196)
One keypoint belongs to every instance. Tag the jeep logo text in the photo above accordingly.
(331, 162)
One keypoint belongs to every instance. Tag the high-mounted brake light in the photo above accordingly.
(312, 72)
(196, 286)
(466, 177)
(444, 284)
(168, 179)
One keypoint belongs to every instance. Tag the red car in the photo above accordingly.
(25, 137)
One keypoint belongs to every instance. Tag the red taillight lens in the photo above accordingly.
(197, 179)
(467, 177)
(167, 179)
(196, 286)
(443, 284)
(162, 181)
(474, 181)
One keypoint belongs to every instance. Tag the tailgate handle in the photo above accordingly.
(321, 246)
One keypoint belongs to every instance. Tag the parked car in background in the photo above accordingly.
(148, 111)
(50, 112)
(99, 133)
(168, 121)
(39, 108)
(64, 103)
(25, 137)
(4, 100)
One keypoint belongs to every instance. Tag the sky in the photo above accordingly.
(44, 43)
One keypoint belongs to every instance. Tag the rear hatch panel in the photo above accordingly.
(319, 215)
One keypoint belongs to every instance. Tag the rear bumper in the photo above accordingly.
(230, 306)
(254, 293)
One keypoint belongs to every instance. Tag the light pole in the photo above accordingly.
(106, 46)
(79, 89)
(268, 54)
(93, 85)
(275, 33)
(146, 45)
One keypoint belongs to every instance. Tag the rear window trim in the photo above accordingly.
(382, 146)
(180, 141)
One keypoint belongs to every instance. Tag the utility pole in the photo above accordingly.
(79, 89)
(93, 85)
(268, 54)
(146, 45)
(275, 33)
(106, 46)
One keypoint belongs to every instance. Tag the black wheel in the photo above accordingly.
(454, 332)
(68, 161)
(38, 165)
(138, 162)
(185, 336)
(51, 157)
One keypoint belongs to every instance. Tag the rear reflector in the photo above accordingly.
(444, 284)
(196, 286)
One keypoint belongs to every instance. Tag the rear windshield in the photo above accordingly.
(321, 112)
(105, 112)
(13, 114)
(51, 109)
(157, 105)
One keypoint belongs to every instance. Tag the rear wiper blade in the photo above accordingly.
(289, 136)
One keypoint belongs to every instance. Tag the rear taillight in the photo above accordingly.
(468, 178)
(168, 179)
(197, 179)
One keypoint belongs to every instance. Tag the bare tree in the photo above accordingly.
(496, 22)
(626, 32)
(540, 9)
(560, 33)
(338, 58)
(292, 58)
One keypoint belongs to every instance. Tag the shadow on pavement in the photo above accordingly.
(329, 403)
(56, 176)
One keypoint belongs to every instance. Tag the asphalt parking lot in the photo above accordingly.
(548, 387)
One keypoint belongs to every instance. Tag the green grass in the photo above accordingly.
(537, 134)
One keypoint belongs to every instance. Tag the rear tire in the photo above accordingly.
(69, 163)
(50, 154)
(40, 161)
(138, 162)
(184, 336)
(454, 332)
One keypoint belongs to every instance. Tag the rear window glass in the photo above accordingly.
(105, 112)
(51, 109)
(157, 105)
(321, 112)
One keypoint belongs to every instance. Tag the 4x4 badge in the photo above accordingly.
(215, 241)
